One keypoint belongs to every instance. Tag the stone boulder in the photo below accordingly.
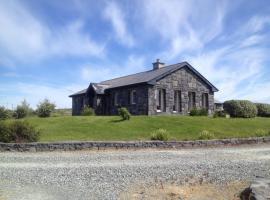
(259, 189)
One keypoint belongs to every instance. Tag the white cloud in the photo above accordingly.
(184, 26)
(115, 15)
(12, 95)
(25, 38)
(93, 73)
(256, 23)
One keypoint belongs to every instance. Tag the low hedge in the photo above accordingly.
(240, 108)
(263, 109)
(198, 112)
(18, 131)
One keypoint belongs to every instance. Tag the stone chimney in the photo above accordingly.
(158, 64)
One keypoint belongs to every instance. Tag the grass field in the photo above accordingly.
(140, 127)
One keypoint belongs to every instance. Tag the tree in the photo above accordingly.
(45, 108)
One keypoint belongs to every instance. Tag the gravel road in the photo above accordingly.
(106, 174)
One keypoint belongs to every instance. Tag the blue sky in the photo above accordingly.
(52, 48)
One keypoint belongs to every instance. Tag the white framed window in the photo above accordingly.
(161, 100)
(133, 97)
(205, 102)
(116, 99)
(177, 101)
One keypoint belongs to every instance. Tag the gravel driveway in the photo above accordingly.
(106, 174)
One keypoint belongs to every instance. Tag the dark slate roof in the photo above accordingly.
(79, 93)
(149, 77)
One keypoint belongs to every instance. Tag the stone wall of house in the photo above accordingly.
(78, 103)
(139, 108)
(185, 81)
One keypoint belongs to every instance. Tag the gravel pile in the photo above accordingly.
(104, 175)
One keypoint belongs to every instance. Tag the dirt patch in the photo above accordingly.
(205, 191)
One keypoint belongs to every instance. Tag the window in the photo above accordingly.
(177, 105)
(205, 102)
(132, 97)
(161, 100)
(191, 100)
(116, 99)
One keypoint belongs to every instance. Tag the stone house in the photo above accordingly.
(172, 89)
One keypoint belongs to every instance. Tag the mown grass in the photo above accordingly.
(140, 127)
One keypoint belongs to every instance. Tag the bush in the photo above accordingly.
(219, 113)
(124, 113)
(160, 134)
(240, 108)
(198, 112)
(206, 135)
(87, 111)
(18, 131)
(23, 110)
(5, 113)
(261, 133)
(5, 134)
(45, 108)
(263, 109)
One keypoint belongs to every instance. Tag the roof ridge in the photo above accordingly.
(140, 72)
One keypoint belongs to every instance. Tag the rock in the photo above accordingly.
(258, 190)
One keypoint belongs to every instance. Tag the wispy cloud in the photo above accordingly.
(93, 73)
(183, 25)
(25, 38)
(116, 16)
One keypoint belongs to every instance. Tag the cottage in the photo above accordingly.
(172, 89)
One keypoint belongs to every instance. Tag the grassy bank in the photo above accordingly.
(140, 127)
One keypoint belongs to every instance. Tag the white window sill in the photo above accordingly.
(174, 111)
(158, 111)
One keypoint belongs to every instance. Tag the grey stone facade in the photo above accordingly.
(174, 89)
(182, 80)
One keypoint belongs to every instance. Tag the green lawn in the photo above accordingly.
(140, 127)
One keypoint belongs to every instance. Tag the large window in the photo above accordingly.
(132, 97)
(116, 99)
(205, 102)
(177, 105)
(191, 100)
(161, 100)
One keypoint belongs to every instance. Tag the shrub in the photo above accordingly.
(5, 134)
(18, 131)
(45, 108)
(5, 113)
(261, 133)
(206, 135)
(263, 109)
(88, 111)
(240, 108)
(124, 113)
(22, 131)
(219, 113)
(23, 110)
(198, 112)
(160, 134)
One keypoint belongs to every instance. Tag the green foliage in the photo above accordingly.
(219, 113)
(5, 113)
(124, 113)
(206, 135)
(160, 134)
(263, 109)
(45, 108)
(23, 110)
(240, 108)
(198, 112)
(5, 133)
(261, 133)
(18, 131)
(88, 111)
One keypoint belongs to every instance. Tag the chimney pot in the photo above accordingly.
(158, 64)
